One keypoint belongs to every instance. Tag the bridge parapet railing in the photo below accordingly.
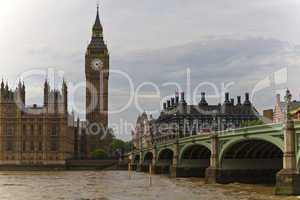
(162, 139)
(253, 129)
(277, 127)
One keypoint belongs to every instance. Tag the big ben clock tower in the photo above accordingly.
(97, 75)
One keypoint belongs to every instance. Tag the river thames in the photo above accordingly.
(116, 185)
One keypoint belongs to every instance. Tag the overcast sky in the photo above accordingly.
(251, 43)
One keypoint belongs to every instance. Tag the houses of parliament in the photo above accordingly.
(49, 134)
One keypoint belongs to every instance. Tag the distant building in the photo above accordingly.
(48, 134)
(268, 115)
(142, 134)
(279, 109)
(192, 119)
(97, 76)
(177, 117)
(35, 135)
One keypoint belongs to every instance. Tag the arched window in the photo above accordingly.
(40, 146)
(31, 146)
(9, 130)
(54, 130)
(32, 129)
(24, 146)
(24, 129)
(53, 146)
(40, 130)
(9, 145)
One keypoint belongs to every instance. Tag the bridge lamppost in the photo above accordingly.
(288, 179)
(215, 122)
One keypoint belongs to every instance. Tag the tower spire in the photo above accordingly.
(97, 28)
(97, 34)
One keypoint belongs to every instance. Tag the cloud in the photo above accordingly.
(156, 41)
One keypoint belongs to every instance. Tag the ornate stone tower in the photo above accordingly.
(97, 75)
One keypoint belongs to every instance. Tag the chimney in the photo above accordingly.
(239, 102)
(203, 96)
(277, 98)
(177, 99)
(165, 106)
(247, 101)
(227, 98)
(203, 100)
(247, 96)
(169, 103)
(232, 101)
(182, 97)
(172, 101)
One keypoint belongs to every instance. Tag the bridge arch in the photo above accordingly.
(194, 151)
(148, 158)
(193, 160)
(165, 154)
(187, 147)
(251, 160)
(164, 161)
(136, 159)
(275, 141)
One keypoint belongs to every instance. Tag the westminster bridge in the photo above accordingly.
(267, 153)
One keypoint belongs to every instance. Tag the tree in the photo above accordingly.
(128, 146)
(104, 141)
(120, 144)
(117, 144)
(99, 154)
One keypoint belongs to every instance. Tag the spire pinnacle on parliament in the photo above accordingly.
(97, 26)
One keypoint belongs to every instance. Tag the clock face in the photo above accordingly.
(97, 64)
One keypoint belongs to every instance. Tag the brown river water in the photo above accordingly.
(116, 185)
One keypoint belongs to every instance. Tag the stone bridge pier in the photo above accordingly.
(255, 159)
(288, 179)
(213, 172)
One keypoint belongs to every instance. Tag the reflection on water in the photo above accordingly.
(116, 185)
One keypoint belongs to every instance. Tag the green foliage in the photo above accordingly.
(105, 141)
(99, 154)
(252, 123)
(120, 144)
(117, 144)
(128, 146)
(107, 145)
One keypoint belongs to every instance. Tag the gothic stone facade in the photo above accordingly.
(97, 76)
(35, 135)
(278, 113)
(142, 134)
(48, 134)
(180, 119)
